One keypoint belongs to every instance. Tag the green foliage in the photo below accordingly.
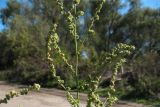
(6, 50)
(154, 102)
(99, 27)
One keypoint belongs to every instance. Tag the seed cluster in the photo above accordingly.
(116, 57)
(95, 16)
(23, 91)
(53, 40)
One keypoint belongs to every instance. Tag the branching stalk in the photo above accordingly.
(76, 51)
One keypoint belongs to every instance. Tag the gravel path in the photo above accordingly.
(46, 98)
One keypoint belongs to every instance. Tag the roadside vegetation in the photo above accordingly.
(23, 46)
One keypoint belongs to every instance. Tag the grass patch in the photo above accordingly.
(125, 95)
(153, 102)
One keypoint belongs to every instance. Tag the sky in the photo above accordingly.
(2, 5)
(151, 3)
(145, 3)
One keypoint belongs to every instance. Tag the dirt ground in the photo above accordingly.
(46, 98)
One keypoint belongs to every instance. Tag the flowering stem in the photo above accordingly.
(76, 50)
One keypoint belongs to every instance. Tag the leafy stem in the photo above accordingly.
(76, 51)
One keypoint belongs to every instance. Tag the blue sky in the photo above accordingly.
(2, 5)
(151, 3)
(145, 3)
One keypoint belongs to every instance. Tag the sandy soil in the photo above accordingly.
(46, 98)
